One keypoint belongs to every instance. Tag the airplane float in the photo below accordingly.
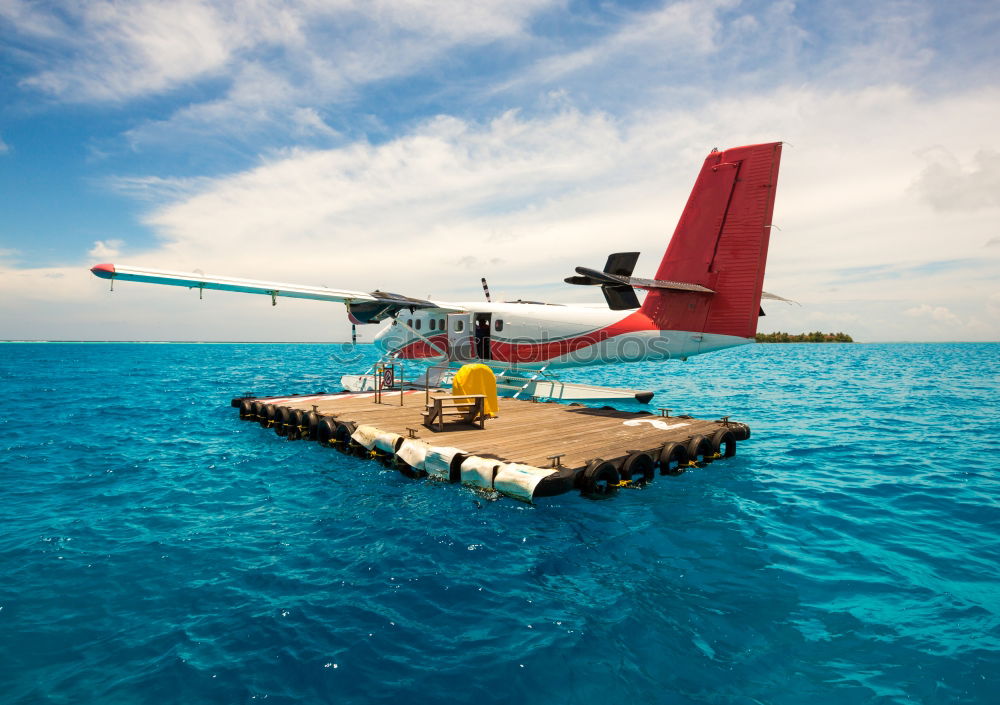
(705, 296)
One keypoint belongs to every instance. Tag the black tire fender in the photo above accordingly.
(638, 467)
(740, 430)
(600, 478)
(724, 443)
(293, 428)
(455, 467)
(673, 458)
(559, 482)
(246, 409)
(699, 446)
(282, 416)
(310, 424)
(407, 470)
(326, 430)
(266, 415)
(343, 435)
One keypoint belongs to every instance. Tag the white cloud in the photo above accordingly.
(265, 66)
(430, 198)
(940, 314)
(258, 67)
(308, 122)
(31, 20)
(3, 147)
(119, 51)
(680, 31)
(157, 188)
(883, 42)
(124, 50)
(529, 198)
(947, 185)
(105, 248)
(885, 200)
(829, 318)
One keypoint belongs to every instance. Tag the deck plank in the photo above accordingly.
(524, 432)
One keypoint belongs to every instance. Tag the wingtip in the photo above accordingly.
(104, 271)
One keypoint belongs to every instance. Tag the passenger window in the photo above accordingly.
(459, 325)
(418, 324)
(409, 322)
(498, 325)
(441, 324)
(432, 324)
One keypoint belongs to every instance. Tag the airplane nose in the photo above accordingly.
(384, 339)
(104, 271)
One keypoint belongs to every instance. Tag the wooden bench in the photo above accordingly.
(470, 408)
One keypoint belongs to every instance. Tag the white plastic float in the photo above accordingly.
(512, 479)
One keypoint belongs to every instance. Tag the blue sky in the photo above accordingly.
(306, 141)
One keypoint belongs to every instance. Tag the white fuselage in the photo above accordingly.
(532, 335)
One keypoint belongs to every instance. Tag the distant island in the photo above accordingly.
(814, 337)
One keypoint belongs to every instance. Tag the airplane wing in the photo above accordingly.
(364, 307)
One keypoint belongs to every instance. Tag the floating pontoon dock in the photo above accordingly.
(532, 449)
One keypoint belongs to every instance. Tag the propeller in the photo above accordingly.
(486, 290)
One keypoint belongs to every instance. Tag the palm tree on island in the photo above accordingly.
(814, 337)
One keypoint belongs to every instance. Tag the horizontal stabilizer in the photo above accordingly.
(594, 277)
(619, 264)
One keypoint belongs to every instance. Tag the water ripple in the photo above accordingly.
(156, 549)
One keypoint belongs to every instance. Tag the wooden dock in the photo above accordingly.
(532, 449)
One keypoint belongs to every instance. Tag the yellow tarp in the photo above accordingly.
(477, 379)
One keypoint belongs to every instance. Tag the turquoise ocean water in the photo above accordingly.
(155, 549)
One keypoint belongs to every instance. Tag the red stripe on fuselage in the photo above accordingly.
(419, 349)
(541, 351)
(504, 351)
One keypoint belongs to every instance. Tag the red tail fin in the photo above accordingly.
(720, 243)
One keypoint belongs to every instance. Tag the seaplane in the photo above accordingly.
(704, 297)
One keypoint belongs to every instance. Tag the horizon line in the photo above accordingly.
(347, 342)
